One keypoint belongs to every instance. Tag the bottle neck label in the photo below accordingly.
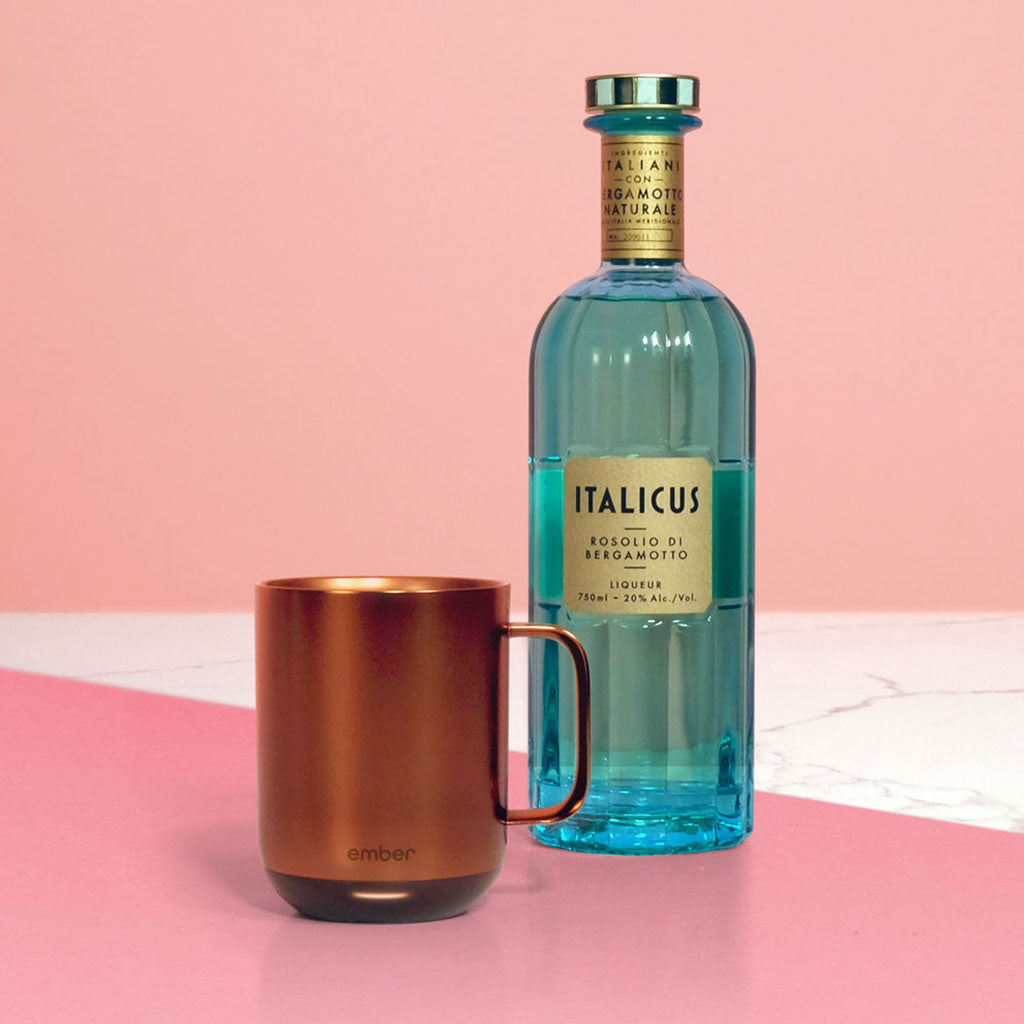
(641, 197)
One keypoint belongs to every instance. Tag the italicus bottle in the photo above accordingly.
(641, 510)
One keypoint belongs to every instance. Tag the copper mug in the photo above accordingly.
(382, 716)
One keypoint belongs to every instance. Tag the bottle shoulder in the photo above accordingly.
(614, 282)
(616, 296)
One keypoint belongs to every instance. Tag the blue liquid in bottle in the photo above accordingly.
(643, 360)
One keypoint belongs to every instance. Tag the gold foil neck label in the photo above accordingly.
(641, 197)
(638, 536)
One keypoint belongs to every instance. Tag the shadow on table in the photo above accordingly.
(227, 853)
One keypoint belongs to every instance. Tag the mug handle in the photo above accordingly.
(574, 801)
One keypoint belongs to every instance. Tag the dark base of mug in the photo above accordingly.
(381, 902)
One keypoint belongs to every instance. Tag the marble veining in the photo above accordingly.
(912, 713)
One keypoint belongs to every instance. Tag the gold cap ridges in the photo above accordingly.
(643, 92)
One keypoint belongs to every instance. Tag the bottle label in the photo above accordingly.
(641, 197)
(637, 536)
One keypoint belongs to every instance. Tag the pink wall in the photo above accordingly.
(271, 270)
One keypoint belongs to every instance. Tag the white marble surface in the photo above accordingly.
(921, 714)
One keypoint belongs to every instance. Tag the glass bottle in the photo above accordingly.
(641, 510)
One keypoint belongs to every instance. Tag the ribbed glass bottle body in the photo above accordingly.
(644, 360)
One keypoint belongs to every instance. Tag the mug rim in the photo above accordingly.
(379, 584)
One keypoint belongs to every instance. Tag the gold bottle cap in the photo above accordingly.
(644, 92)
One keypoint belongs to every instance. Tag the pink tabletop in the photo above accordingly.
(133, 892)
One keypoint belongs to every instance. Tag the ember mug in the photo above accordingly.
(382, 715)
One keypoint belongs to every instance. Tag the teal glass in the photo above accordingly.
(645, 359)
